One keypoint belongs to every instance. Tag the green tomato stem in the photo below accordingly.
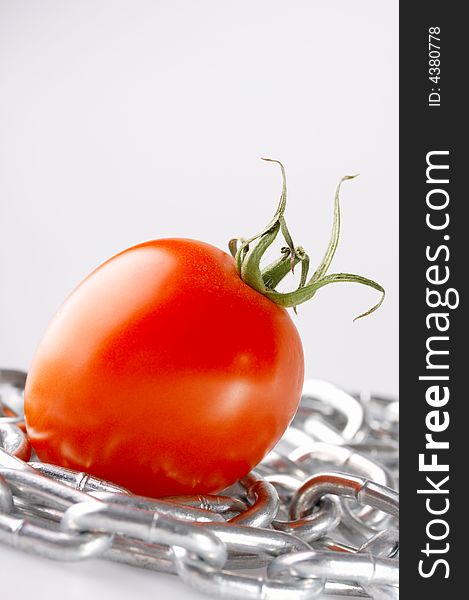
(248, 254)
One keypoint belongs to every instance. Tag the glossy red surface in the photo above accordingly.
(164, 372)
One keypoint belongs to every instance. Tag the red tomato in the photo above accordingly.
(164, 372)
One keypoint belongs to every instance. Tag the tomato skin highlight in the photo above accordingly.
(164, 372)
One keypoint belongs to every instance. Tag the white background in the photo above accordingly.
(122, 121)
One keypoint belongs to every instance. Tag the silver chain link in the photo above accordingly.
(318, 516)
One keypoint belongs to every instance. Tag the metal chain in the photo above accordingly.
(318, 516)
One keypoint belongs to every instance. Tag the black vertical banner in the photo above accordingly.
(434, 232)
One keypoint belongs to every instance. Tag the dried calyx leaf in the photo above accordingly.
(248, 254)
